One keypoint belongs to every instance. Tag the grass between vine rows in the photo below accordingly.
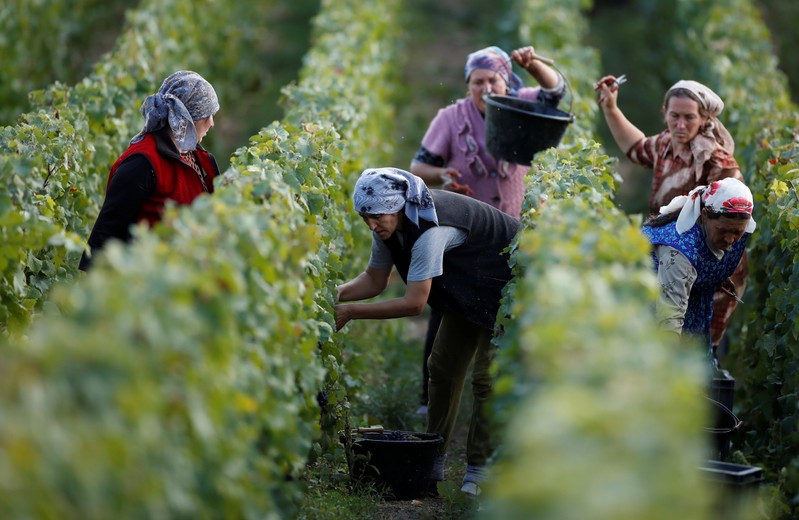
(393, 398)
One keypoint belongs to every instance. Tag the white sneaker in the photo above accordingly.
(470, 489)
(422, 410)
(474, 476)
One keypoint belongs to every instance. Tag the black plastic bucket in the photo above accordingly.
(722, 390)
(400, 462)
(735, 487)
(734, 475)
(517, 129)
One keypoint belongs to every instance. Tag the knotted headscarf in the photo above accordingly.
(494, 58)
(388, 190)
(184, 97)
(711, 135)
(726, 196)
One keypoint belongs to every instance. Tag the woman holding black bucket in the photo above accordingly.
(454, 154)
(695, 149)
(453, 151)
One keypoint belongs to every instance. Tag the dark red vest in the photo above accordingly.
(175, 180)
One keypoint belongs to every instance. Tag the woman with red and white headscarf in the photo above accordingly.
(698, 240)
(694, 150)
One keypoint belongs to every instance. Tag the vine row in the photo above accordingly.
(740, 62)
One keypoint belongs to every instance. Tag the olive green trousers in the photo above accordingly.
(458, 342)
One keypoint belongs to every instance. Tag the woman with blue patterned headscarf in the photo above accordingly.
(450, 251)
(454, 149)
(164, 161)
(389, 190)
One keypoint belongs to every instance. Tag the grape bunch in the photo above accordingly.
(397, 435)
(321, 400)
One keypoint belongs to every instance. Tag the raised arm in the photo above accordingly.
(624, 132)
(545, 75)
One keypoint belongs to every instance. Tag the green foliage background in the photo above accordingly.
(194, 358)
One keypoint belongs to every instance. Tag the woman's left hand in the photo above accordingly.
(525, 56)
(608, 92)
(535, 66)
